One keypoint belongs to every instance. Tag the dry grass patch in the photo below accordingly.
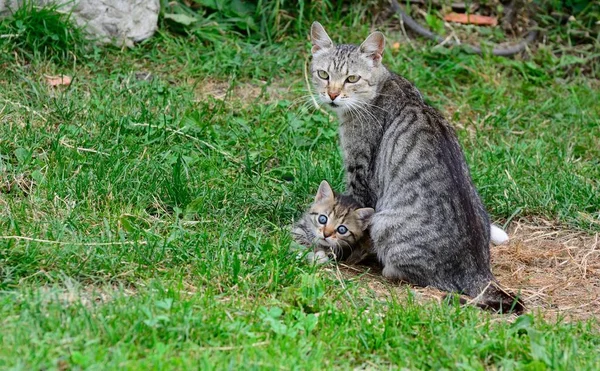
(556, 271)
(247, 93)
(71, 292)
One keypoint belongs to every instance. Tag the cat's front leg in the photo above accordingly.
(358, 151)
(357, 185)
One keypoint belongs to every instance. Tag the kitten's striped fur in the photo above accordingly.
(353, 247)
(403, 159)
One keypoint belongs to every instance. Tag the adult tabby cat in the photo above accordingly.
(335, 226)
(403, 159)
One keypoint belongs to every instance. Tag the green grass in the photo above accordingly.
(171, 210)
(41, 32)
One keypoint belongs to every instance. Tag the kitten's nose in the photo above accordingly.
(327, 233)
(333, 95)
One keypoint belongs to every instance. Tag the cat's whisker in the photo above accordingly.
(373, 105)
(365, 123)
(355, 108)
(303, 98)
(303, 105)
(307, 106)
(363, 105)
(370, 114)
(365, 113)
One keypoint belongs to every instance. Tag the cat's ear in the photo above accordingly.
(324, 193)
(365, 215)
(373, 46)
(319, 38)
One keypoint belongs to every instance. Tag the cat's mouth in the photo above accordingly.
(334, 105)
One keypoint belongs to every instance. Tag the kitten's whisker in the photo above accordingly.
(348, 244)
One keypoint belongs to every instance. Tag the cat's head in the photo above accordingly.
(346, 76)
(338, 220)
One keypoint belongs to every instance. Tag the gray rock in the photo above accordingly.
(117, 21)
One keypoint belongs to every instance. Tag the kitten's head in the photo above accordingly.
(338, 220)
(346, 76)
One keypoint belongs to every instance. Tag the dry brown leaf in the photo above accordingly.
(58, 80)
(480, 20)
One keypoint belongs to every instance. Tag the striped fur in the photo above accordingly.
(353, 246)
(403, 159)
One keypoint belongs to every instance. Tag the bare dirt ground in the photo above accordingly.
(556, 271)
(242, 93)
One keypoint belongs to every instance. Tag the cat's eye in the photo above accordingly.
(342, 229)
(353, 78)
(322, 219)
(322, 74)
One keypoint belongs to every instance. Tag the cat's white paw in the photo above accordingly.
(497, 235)
(319, 257)
(392, 273)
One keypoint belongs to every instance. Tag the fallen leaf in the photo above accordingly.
(182, 19)
(58, 80)
(480, 20)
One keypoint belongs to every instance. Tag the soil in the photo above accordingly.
(556, 271)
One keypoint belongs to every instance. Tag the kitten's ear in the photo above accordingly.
(325, 192)
(365, 215)
(319, 38)
(373, 46)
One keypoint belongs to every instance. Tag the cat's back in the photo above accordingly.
(396, 91)
(420, 169)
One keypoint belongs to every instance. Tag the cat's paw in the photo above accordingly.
(297, 249)
(392, 273)
(319, 257)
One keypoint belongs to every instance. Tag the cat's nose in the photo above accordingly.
(333, 95)
(327, 233)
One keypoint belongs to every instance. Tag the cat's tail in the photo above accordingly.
(496, 299)
(500, 300)
(497, 235)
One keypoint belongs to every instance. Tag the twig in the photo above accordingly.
(500, 51)
(259, 344)
(26, 108)
(229, 156)
(83, 149)
(406, 34)
(317, 105)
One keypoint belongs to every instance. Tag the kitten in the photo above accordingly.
(403, 159)
(336, 227)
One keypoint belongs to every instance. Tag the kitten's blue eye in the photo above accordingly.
(342, 229)
(353, 78)
(322, 74)
(322, 219)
